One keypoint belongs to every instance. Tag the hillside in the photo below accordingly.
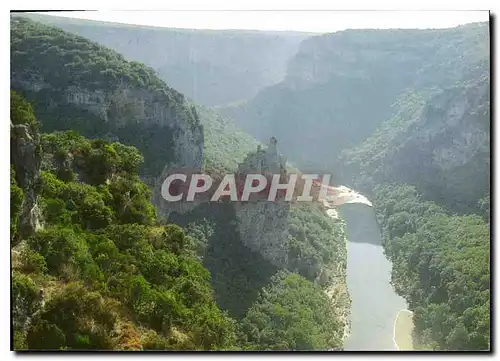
(101, 261)
(226, 145)
(340, 87)
(75, 84)
(96, 270)
(93, 268)
(96, 198)
(441, 266)
(437, 141)
(210, 66)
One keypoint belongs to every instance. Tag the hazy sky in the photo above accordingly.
(310, 21)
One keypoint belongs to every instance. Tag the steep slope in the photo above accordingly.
(339, 87)
(75, 84)
(441, 266)
(429, 161)
(102, 273)
(79, 85)
(439, 142)
(226, 145)
(211, 66)
(80, 98)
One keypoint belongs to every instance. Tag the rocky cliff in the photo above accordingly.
(339, 87)
(438, 142)
(25, 156)
(213, 67)
(263, 225)
(75, 84)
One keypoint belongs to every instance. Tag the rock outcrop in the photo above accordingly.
(75, 84)
(442, 148)
(263, 225)
(26, 157)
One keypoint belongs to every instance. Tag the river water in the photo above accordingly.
(375, 304)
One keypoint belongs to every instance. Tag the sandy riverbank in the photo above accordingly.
(403, 328)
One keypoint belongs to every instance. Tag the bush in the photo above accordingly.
(32, 262)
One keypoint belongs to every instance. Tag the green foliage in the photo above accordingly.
(71, 66)
(25, 300)
(16, 202)
(32, 261)
(319, 113)
(130, 200)
(21, 112)
(316, 241)
(428, 144)
(109, 271)
(290, 314)
(76, 319)
(441, 265)
(230, 65)
(237, 272)
(94, 160)
(226, 146)
(92, 64)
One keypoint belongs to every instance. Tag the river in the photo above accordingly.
(375, 304)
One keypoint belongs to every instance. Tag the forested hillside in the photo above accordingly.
(213, 67)
(441, 265)
(101, 261)
(437, 141)
(226, 145)
(101, 273)
(424, 165)
(340, 86)
(98, 271)
(90, 237)
(409, 109)
(93, 67)
(75, 84)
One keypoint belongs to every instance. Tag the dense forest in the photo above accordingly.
(225, 144)
(99, 239)
(102, 273)
(428, 170)
(437, 141)
(124, 279)
(98, 262)
(52, 68)
(441, 265)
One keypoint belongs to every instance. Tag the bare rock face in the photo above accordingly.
(139, 108)
(263, 225)
(26, 157)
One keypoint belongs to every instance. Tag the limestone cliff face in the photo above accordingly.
(263, 225)
(127, 106)
(26, 157)
(446, 152)
(439, 144)
(455, 126)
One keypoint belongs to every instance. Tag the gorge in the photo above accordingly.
(99, 119)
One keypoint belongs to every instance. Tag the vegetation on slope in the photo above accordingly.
(102, 273)
(437, 141)
(128, 282)
(441, 265)
(140, 283)
(290, 314)
(47, 64)
(339, 87)
(316, 243)
(213, 67)
(226, 146)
